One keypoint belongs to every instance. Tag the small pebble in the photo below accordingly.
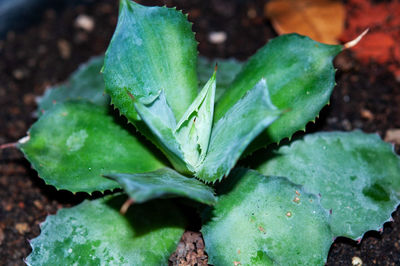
(356, 261)
(18, 74)
(367, 114)
(64, 48)
(84, 22)
(22, 228)
(217, 37)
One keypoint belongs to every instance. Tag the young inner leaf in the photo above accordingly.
(233, 132)
(194, 130)
(160, 120)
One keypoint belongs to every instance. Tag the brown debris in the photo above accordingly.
(190, 251)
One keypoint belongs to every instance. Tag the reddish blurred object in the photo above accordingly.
(381, 44)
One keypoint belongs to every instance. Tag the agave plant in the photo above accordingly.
(194, 123)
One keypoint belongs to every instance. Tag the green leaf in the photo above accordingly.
(227, 71)
(233, 132)
(266, 221)
(300, 79)
(85, 83)
(356, 174)
(159, 119)
(194, 130)
(164, 182)
(95, 233)
(152, 49)
(74, 143)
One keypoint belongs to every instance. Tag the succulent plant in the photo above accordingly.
(177, 139)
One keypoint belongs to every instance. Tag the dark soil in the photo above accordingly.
(366, 97)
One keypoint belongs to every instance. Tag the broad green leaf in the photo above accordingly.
(95, 233)
(233, 132)
(85, 83)
(194, 130)
(74, 143)
(300, 78)
(227, 71)
(266, 221)
(152, 49)
(164, 182)
(356, 174)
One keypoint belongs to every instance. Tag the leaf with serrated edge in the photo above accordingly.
(227, 71)
(85, 83)
(74, 143)
(356, 174)
(300, 79)
(231, 135)
(164, 182)
(158, 117)
(262, 220)
(194, 129)
(152, 49)
(95, 233)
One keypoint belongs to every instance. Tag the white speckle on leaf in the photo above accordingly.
(70, 250)
(76, 140)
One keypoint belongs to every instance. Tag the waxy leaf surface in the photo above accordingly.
(262, 220)
(233, 132)
(194, 130)
(300, 78)
(152, 49)
(85, 83)
(164, 182)
(159, 119)
(356, 174)
(74, 143)
(95, 233)
(227, 71)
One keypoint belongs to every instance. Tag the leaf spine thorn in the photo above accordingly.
(354, 42)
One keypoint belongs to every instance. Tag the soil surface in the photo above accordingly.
(367, 97)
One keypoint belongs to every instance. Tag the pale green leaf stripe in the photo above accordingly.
(263, 221)
(300, 78)
(163, 183)
(74, 143)
(85, 83)
(152, 49)
(356, 174)
(95, 233)
(232, 133)
(227, 71)
(194, 130)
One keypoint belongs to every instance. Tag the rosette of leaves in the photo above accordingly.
(170, 137)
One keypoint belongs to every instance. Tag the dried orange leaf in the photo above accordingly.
(321, 20)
